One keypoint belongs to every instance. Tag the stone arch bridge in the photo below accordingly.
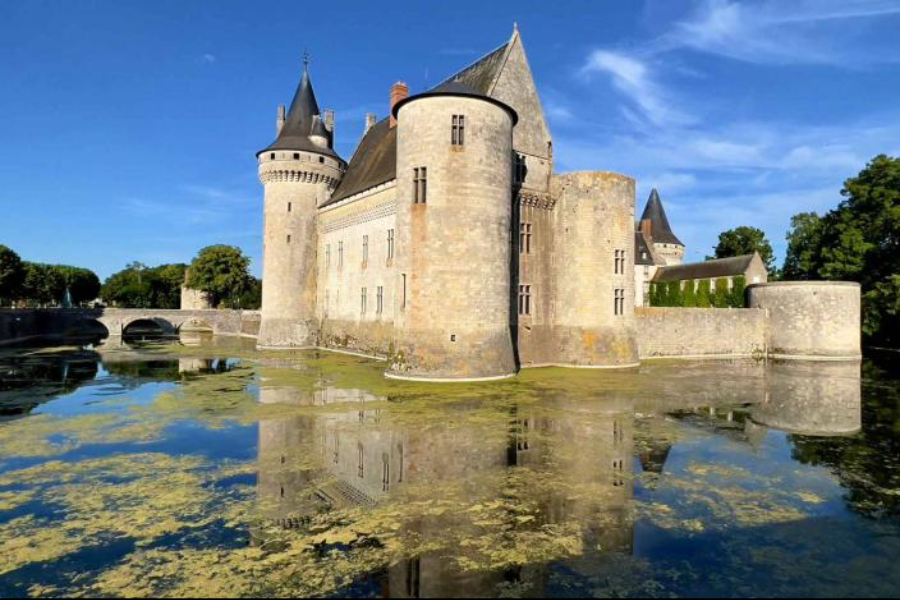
(118, 320)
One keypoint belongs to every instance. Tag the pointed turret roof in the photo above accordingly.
(660, 228)
(300, 121)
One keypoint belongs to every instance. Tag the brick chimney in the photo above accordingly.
(399, 91)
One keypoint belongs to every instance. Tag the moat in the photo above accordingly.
(203, 467)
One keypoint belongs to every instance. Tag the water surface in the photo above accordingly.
(211, 469)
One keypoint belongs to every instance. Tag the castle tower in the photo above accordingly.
(655, 226)
(299, 170)
(454, 214)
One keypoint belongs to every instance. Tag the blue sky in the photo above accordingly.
(128, 129)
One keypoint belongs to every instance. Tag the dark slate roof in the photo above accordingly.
(481, 74)
(300, 121)
(642, 248)
(661, 230)
(375, 160)
(710, 269)
(373, 163)
(456, 88)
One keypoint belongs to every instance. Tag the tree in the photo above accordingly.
(44, 285)
(140, 286)
(673, 293)
(222, 272)
(689, 295)
(738, 292)
(804, 245)
(745, 240)
(704, 294)
(83, 284)
(721, 296)
(12, 274)
(858, 241)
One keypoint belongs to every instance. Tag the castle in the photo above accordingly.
(448, 244)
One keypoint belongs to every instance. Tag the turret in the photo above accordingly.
(299, 170)
(454, 212)
(655, 226)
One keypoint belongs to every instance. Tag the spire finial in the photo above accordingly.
(305, 60)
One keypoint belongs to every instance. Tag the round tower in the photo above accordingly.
(454, 212)
(299, 171)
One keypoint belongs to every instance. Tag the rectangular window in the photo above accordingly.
(420, 185)
(365, 252)
(458, 137)
(519, 169)
(524, 299)
(289, 238)
(362, 304)
(621, 262)
(525, 238)
(380, 306)
(290, 206)
(619, 302)
(390, 244)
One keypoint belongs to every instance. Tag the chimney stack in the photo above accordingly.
(399, 91)
(279, 122)
(370, 122)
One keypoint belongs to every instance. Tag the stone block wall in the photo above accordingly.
(700, 332)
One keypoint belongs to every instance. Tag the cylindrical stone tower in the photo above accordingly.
(298, 171)
(811, 320)
(454, 212)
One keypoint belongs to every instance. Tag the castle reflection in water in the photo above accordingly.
(353, 457)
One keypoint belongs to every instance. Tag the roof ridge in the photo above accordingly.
(458, 72)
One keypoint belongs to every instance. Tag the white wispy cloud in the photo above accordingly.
(633, 78)
(208, 58)
(779, 32)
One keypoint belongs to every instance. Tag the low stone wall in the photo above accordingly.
(700, 332)
(250, 320)
(371, 338)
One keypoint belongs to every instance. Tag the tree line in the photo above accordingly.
(25, 283)
(222, 272)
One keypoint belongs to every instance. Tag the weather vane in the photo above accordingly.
(305, 58)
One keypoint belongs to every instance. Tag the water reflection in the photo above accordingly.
(353, 455)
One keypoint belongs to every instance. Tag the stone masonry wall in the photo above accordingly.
(699, 332)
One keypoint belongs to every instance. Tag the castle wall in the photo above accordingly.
(295, 184)
(593, 218)
(364, 222)
(453, 252)
(194, 299)
(811, 319)
(700, 332)
(534, 331)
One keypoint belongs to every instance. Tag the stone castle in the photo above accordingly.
(447, 244)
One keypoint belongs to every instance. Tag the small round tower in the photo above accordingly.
(298, 170)
(454, 213)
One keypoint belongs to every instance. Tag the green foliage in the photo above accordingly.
(722, 295)
(223, 273)
(689, 294)
(673, 293)
(804, 241)
(858, 241)
(138, 286)
(738, 292)
(657, 297)
(746, 240)
(12, 274)
(704, 294)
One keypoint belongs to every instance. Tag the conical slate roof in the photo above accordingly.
(300, 122)
(660, 228)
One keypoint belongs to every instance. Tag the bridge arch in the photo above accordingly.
(88, 327)
(148, 325)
